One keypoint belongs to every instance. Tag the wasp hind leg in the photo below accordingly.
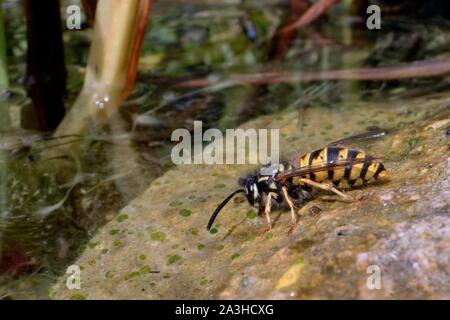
(328, 187)
(267, 209)
(293, 213)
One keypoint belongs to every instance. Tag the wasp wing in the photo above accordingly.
(323, 166)
(375, 134)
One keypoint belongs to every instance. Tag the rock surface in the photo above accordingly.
(158, 247)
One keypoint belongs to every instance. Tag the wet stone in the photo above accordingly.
(401, 226)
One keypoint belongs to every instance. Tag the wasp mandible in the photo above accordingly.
(330, 168)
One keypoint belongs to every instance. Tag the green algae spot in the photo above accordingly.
(173, 259)
(412, 142)
(213, 231)
(329, 126)
(92, 245)
(132, 275)
(92, 262)
(220, 247)
(145, 270)
(109, 274)
(361, 122)
(193, 231)
(191, 197)
(235, 256)
(117, 243)
(158, 236)
(251, 214)
(200, 246)
(300, 260)
(122, 218)
(220, 186)
(142, 257)
(204, 282)
(113, 232)
(140, 235)
(269, 235)
(104, 251)
(185, 212)
(175, 203)
(77, 297)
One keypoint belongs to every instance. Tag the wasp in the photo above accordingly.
(331, 168)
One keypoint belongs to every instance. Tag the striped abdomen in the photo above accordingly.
(349, 176)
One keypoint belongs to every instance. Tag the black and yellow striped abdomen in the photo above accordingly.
(349, 176)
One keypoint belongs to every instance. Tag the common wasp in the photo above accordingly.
(330, 168)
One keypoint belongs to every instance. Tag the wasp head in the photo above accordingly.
(251, 187)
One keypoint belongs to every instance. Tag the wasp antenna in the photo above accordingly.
(220, 206)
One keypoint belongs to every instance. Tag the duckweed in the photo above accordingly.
(175, 203)
(109, 274)
(132, 275)
(200, 246)
(204, 282)
(300, 260)
(235, 256)
(145, 269)
(77, 297)
(185, 212)
(251, 214)
(173, 259)
(412, 142)
(158, 236)
(113, 232)
(92, 245)
(193, 231)
(122, 218)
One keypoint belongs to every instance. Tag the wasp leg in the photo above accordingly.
(267, 212)
(293, 213)
(328, 187)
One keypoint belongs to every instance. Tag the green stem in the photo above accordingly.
(4, 81)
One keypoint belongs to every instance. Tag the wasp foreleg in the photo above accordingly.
(293, 213)
(328, 187)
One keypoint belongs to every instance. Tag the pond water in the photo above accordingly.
(48, 216)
